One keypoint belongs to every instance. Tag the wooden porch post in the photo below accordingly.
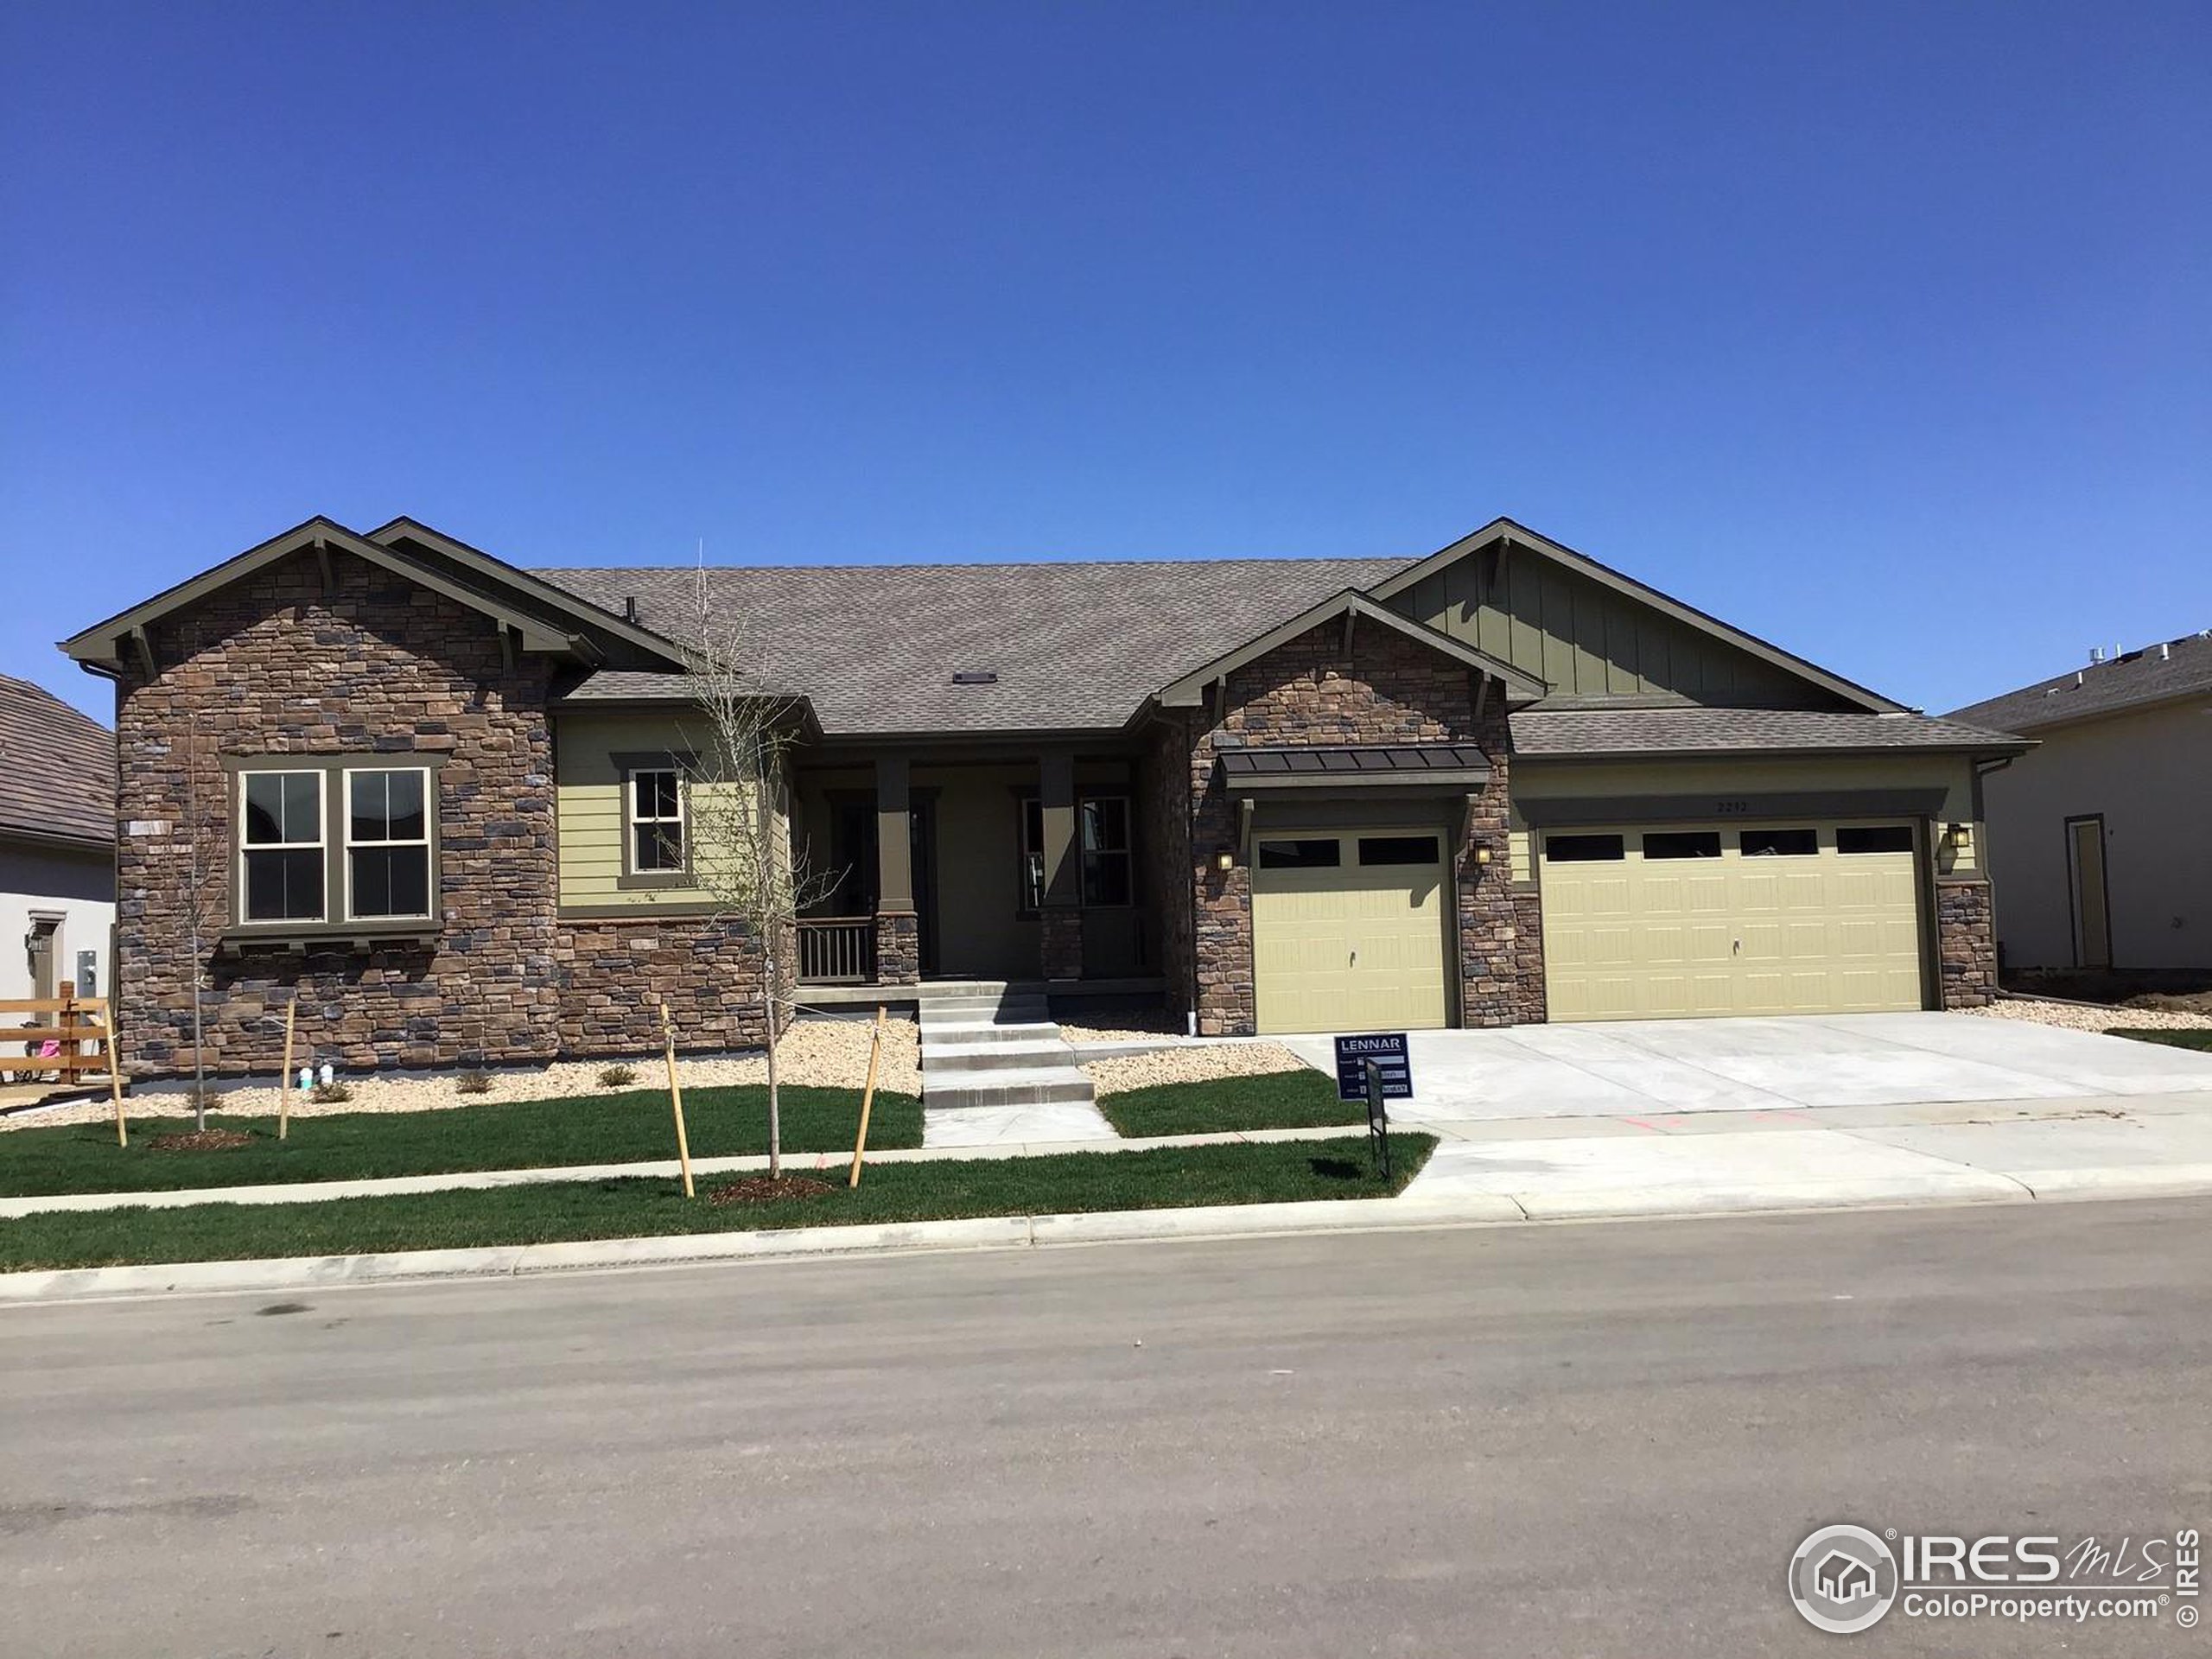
(898, 931)
(1060, 923)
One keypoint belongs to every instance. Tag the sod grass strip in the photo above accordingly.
(1063, 1183)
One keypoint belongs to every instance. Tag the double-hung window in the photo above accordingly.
(281, 852)
(658, 840)
(1102, 825)
(387, 844)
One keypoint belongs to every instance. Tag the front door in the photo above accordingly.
(2092, 914)
(45, 943)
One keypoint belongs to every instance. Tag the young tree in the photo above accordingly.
(742, 854)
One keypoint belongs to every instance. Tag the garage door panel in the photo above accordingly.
(1348, 945)
(1797, 927)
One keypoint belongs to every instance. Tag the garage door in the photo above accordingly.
(1348, 929)
(1649, 921)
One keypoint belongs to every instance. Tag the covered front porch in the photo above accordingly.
(981, 863)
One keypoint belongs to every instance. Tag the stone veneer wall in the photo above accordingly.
(898, 947)
(1528, 955)
(1164, 852)
(1966, 944)
(1388, 689)
(377, 668)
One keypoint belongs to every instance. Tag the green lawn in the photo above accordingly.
(1303, 1099)
(616, 1128)
(2172, 1039)
(1166, 1177)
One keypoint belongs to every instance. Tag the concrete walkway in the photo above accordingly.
(997, 1071)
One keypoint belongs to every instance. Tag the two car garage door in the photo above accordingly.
(1652, 921)
(1350, 928)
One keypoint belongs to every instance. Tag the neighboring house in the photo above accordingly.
(2101, 836)
(57, 845)
(1501, 784)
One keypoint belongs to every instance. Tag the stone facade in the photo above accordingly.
(616, 972)
(1528, 955)
(898, 948)
(1059, 942)
(1966, 944)
(1386, 689)
(381, 669)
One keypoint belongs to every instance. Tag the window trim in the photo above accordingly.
(427, 840)
(242, 847)
(335, 925)
(628, 767)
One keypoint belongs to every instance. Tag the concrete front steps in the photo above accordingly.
(995, 1066)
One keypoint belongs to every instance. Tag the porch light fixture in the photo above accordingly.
(1482, 854)
(1224, 860)
(1959, 836)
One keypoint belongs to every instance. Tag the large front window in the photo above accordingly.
(1102, 842)
(282, 849)
(387, 844)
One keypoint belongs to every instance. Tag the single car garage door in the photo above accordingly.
(1348, 929)
(1651, 921)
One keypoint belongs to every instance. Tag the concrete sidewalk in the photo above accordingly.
(1482, 1173)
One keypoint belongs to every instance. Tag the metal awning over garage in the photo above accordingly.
(1441, 767)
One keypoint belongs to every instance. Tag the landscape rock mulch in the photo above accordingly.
(2075, 1016)
(814, 1053)
(1197, 1063)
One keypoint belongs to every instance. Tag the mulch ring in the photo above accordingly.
(760, 1189)
(204, 1140)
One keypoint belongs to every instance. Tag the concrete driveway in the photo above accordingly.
(1632, 1068)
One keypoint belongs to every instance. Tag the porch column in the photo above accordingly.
(1060, 921)
(898, 929)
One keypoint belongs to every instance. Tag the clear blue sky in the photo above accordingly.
(1884, 331)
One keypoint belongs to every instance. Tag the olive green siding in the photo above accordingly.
(588, 791)
(1584, 639)
(1735, 790)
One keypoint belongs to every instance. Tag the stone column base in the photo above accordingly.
(898, 948)
(1966, 944)
(1060, 934)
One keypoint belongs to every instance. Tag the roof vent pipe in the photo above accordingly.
(630, 609)
(2165, 652)
(2097, 655)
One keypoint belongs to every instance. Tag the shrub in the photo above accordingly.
(473, 1082)
(617, 1077)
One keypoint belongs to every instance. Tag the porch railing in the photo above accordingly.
(837, 950)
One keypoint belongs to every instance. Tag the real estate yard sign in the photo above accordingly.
(1375, 1068)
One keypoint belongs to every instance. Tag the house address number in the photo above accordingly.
(1731, 809)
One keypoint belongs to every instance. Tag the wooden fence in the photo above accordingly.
(69, 1038)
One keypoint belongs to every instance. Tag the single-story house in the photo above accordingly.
(2102, 837)
(447, 797)
(57, 845)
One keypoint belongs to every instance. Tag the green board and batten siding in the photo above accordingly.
(1585, 639)
(588, 788)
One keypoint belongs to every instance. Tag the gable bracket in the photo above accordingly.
(1244, 805)
(1350, 617)
(1482, 697)
(322, 565)
(144, 647)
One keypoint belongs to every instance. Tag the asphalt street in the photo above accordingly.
(1600, 1438)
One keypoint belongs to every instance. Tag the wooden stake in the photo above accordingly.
(675, 1097)
(867, 1096)
(285, 1078)
(115, 1082)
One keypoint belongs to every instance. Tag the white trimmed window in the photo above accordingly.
(282, 851)
(388, 844)
(656, 830)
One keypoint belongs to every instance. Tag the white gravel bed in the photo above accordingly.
(814, 1053)
(2074, 1017)
(1197, 1064)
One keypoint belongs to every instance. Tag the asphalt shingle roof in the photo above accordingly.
(1075, 645)
(57, 766)
(2134, 678)
(1561, 732)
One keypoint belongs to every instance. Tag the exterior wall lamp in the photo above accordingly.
(1224, 862)
(1482, 854)
(1961, 836)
